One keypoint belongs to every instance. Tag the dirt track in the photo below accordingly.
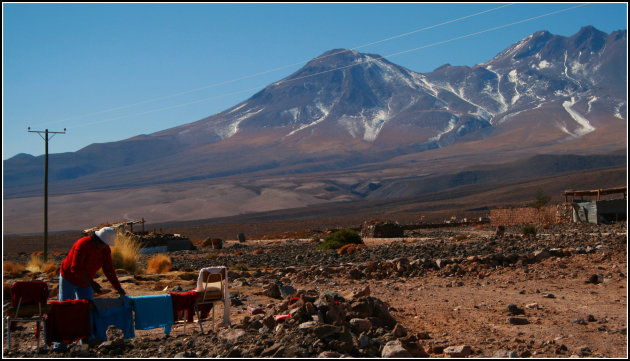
(560, 294)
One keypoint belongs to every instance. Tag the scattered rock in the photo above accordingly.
(505, 354)
(515, 310)
(580, 321)
(360, 325)
(231, 336)
(595, 279)
(518, 321)
(394, 349)
(458, 351)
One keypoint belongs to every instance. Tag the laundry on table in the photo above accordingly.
(68, 321)
(153, 312)
(112, 311)
(185, 301)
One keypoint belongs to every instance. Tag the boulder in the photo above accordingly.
(458, 351)
(395, 349)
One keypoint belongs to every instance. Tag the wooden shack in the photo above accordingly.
(598, 210)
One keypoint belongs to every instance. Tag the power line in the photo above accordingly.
(270, 70)
(339, 68)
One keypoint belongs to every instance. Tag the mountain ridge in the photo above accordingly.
(346, 111)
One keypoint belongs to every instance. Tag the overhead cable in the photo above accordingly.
(268, 71)
(339, 68)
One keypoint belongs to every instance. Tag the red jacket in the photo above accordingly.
(85, 259)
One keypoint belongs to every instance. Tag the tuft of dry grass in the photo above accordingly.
(126, 254)
(12, 268)
(159, 263)
(36, 264)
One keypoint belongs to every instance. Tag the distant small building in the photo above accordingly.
(598, 211)
(573, 210)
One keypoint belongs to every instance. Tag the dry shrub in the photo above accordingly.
(125, 254)
(259, 251)
(350, 248)
(159, 263)
(12, 268)
(36, 264)
(347, 249)
(51, 270)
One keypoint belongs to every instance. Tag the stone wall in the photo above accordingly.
(548, 215)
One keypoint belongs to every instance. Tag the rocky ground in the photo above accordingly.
(458, 292)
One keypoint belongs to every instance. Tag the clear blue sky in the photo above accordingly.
(109, 72)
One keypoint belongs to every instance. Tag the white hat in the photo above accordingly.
(107, 235)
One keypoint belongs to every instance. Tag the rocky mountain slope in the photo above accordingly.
(349, 114)
(346, 107)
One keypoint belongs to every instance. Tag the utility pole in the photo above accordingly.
(46, 139)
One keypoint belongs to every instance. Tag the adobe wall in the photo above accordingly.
(555, 214)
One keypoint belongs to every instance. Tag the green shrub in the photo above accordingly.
(340, 239)
(529, 229)
(541, 200)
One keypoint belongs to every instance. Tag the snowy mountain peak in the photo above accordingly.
(354, 96)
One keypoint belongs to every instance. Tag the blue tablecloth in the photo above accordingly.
(112, 311)
(153, 312)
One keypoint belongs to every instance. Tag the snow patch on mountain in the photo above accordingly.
(232, 127)
(325, 111)
(590, 103)
(566, 70)
(295, 113)
(585, 125)
(516, 47)
(422, 81)
(618, 111)
(451, 125)
(237, 108)
(577, 68)
(350, 124)
(374, 124)
(393, 75)
(513, 77)
(499, 96)
(481, 114)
